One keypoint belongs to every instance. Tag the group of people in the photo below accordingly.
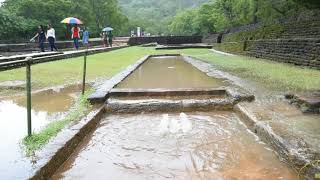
(49, 35)
(46, 35)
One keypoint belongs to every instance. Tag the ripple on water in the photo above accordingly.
(194, 145)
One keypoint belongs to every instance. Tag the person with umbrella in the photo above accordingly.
(108, 36)
(75, 30)
(75, 36)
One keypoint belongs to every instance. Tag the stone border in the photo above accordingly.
(24, 56)
(162, 105)
(59, 149)
(296, 158)
(164, 40)
(184, 46)
(167, 92)
(102, 92)
(21, 63)
(307, 104)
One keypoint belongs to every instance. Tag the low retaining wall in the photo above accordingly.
(21, 63)
(63, 145)
(302, 52)
(184, 46)
(163, 105)
(23, 47)
(165, 40)
(231, 47)
(298, 158)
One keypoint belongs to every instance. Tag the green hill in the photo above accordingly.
(154, 15)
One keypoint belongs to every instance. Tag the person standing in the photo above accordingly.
(105, 39)
(75, 36)
(51, 36)
(110, 38)
(41, 37)
(85, 37)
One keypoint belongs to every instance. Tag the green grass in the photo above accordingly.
(267, 73)
(272, 75)
(103, 65)
(38, 140)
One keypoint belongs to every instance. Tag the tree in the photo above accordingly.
(12, 26)
(96, 14)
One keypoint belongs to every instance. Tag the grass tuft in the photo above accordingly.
(37, 140)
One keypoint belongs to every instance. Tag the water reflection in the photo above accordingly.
(47, 106)
(169, 72)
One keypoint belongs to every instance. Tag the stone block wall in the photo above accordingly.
(212, 38)
(24, 47)
(165, 40)
(287, 30)
(231, 47)
(302, 52)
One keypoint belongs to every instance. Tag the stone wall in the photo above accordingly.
(231, 47)
(296, 43)
(165, 40)
(302, 52)
(212, 38)
(23, 47)
(287, 30)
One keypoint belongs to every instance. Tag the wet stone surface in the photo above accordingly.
(13, 85)
(193, 145)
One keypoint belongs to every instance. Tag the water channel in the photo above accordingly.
(176, 145)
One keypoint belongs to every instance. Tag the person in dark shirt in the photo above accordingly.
(41, 34)
(110, 38)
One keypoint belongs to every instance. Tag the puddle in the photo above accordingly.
(169, 72)
(197, 145)
(47, 106)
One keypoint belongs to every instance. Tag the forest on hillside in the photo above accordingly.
(19, 18)
(221, 15)
(154, 16)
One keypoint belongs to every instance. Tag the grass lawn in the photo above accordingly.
(105, 65)
(274, 75)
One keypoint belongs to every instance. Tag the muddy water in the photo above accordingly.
(48, 106)
(169, 72)
(194, 145)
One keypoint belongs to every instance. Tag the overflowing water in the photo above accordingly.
(197, 145)
(47, 106)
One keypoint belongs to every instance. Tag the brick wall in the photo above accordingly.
(165, 40)
(302, 52)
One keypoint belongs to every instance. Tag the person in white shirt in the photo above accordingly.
(51, 37)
